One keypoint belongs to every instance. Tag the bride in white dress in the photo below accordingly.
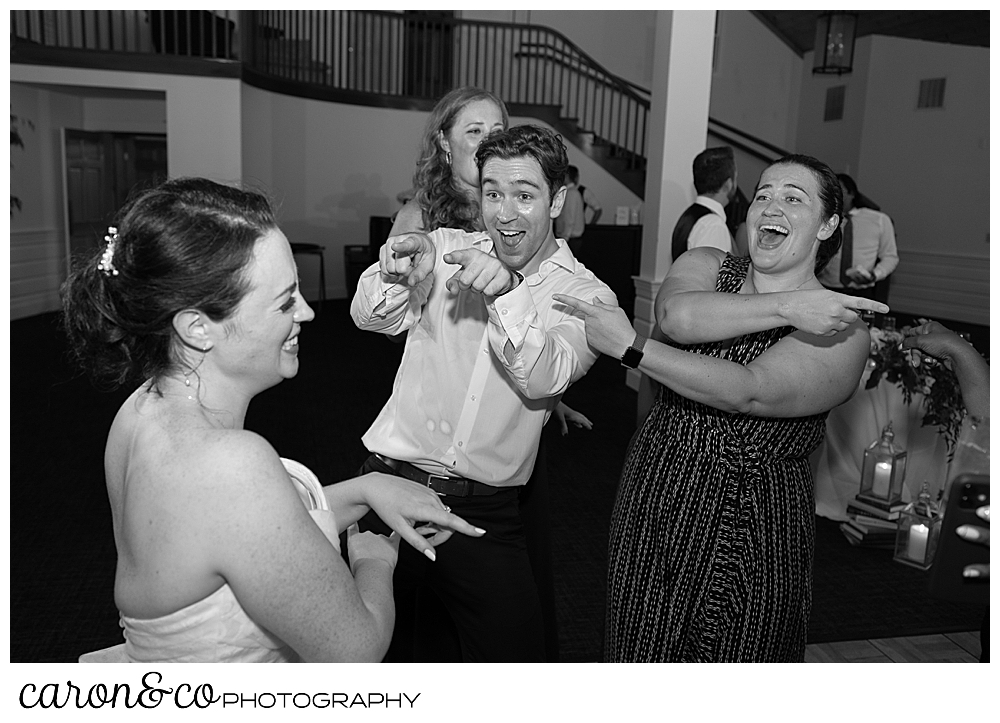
(226, 552)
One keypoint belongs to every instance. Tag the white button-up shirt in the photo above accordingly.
(460, 406)
(874, 248)
(711, 229)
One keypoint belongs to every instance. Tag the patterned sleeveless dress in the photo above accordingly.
(713, 528)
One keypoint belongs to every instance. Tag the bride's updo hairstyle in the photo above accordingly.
(831, 197)
(184, 244)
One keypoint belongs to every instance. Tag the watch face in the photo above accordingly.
(631, 357)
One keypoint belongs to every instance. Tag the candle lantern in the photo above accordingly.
(883, 470)
(917, 532)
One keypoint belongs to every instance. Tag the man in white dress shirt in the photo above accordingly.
(868, 254)
(703, 223)
(488, 355)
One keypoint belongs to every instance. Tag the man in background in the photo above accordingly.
(591, 206)
(703, 223)
(868, 252)
(572, 219)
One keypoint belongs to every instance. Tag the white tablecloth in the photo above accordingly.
(852, 426)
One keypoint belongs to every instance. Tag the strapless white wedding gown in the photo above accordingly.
(216, 629)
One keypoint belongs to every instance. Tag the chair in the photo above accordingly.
(317, 250)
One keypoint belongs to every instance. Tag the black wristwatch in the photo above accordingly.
(633, 355)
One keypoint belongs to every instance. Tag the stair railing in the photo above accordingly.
(373, 57)
(414, 56)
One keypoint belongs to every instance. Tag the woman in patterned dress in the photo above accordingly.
(712, 530)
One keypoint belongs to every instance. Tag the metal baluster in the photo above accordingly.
(377, 50)
(547, 56)
(357, 35)
(288, 48)
(296, 22)
(327, 53)
(563, 102)
(343, 48)
(576, 99)
(481, 55)
(369, 53)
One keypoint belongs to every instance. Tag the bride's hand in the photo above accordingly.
(608, 328)
(413, 511)
(823, 312)
(371, 546)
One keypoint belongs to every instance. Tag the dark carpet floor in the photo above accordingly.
(63, 557)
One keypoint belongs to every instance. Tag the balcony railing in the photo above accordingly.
(407, 56)
(375, 57)
(192, 33)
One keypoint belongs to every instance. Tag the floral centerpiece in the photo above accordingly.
(912, 372)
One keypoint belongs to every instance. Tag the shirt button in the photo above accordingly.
(504, 312)
(459, 444)
(473, 397)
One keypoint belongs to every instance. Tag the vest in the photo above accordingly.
(682, 230)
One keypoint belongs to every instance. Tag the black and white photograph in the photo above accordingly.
(547, 337)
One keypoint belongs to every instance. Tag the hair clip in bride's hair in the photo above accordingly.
(107, 258)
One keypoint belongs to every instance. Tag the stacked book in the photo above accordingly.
(871, 523)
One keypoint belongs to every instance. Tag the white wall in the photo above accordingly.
(944, 202)
(125, 115)
(330, 167)
(200, 116)
(756, 81)
(927, 168)
(836, 142)
(203, 114)
(941, 207)
(620, 40)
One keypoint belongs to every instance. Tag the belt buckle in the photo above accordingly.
(447, 486)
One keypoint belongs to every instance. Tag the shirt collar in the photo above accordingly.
(561, 257)
(713, 205)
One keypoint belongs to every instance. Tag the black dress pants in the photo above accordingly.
(484, 585)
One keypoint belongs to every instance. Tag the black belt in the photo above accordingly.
(455, 486)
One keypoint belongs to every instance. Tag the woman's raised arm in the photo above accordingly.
(800, 375)
(690, 311)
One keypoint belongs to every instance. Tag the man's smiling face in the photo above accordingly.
(518, 212)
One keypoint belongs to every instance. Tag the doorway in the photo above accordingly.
(102, 170)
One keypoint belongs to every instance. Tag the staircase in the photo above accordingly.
(376, 58)
(410, 60)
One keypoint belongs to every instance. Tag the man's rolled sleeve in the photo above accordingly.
(542, 360)
(387, 308)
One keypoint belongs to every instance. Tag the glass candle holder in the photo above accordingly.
(883, 470)
(918, 530)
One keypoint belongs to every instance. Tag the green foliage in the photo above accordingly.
(914, 372)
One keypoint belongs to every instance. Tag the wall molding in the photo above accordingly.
(942, 285)
(37, 269)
